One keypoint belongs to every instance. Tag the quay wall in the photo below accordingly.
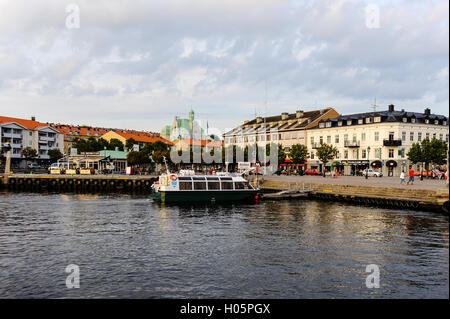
(78, 183)
(423, 199)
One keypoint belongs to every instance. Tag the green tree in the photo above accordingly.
(326, 153)
(29, 153)
(298, 153)
(130, 143)
(55, 154)
(158, 156)
(415, 153)
(114, 142)
(280, 150)
(148, 149)
(137, 158)
(159, 145)
(438, 151)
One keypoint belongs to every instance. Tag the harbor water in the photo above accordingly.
(131, 247)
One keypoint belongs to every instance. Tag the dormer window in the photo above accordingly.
(328, 124)
(321, 125)
(377, 119)
(349, 122)
(444, 123)
(413, 120)
(360, 121)
(368, 120)
(405, 120)
(436, 122)
(427, 121)
(340, 123)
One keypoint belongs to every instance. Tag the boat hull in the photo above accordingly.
(204, 196)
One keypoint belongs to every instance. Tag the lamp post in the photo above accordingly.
(368, 160)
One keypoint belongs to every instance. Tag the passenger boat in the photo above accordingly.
(188, 187)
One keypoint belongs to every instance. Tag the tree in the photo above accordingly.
(114, 142)
(137, 158)
(159, 145)
(326, 153)
(148, 149)
(158, 156)
(298, 153)
(29, 153)
(55, 154)
(130, 143)
(428, 152)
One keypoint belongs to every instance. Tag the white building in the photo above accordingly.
(379, 139)
(21, 133)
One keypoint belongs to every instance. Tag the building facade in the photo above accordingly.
(21, 133)
(379, 140)
(285, 129)
(183, 129)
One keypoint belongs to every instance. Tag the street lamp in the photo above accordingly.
(368, 160)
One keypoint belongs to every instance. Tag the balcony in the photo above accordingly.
(351, 144)
(43, 138)
(392, 142)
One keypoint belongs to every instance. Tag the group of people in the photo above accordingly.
(411, 177)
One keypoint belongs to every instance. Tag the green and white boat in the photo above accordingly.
(188, 187)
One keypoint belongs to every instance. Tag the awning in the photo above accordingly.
(376, 164)
(391, 163)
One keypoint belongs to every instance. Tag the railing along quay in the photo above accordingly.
(78, 183)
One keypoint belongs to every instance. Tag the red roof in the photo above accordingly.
(200, 142)
(29, 124)
(144, 137)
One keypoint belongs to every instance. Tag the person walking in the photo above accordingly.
(411, 177)
(402, 178)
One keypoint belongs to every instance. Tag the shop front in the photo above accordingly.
(354, 168)
(390, 168)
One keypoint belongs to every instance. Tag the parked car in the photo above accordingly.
(312, 172)
(34, 166)
(372, 172)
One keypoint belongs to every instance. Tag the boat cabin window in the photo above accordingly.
(241, 185)
(227, 184)
(214, 185)
(181, 178)
(199, 185)
(185, 186)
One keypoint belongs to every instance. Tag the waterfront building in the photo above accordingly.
(22, 133)
(82, 132)
(290, 129)
(183, 129)
(379, 140)
(187, 144)
(141, 138)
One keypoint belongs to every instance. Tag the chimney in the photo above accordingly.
(284, 116)
(427, 111)
(299, 113)
(391, 107)
(33, 118)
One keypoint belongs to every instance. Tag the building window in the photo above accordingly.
(329, 139)
(368, 120)
(354, 138)
(419, 136)
(427, 121)
(403, 136)
(340, 123)
(345, 154)
(321, 125)
(391, 136)
(411, 136)
(363, 137)
(360, 121)
(312, 155)
(345, 137)
(391, 153)
(349, 122)
(312, 140)
(377, 136)
(427, 135)
(444, 123)
(405, 120)
(434, 135)
(321, 140)
(377, 119)
(446, 138)
(436, 122)
(363, 153)
(336, 139)
(328, 124)
(413, 120)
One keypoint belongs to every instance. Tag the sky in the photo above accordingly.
(137, 64)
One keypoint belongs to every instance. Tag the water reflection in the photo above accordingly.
(133, 247)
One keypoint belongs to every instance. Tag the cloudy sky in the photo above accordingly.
(136, 64)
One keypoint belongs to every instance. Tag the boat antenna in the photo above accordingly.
(165, 163)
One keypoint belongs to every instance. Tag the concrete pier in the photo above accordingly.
(363, 192)
(78, 183)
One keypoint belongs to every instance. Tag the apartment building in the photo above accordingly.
(380, 140)
(22, 133)
(285, 129)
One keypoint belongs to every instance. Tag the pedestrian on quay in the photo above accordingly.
(402, 178)
(411, 177)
